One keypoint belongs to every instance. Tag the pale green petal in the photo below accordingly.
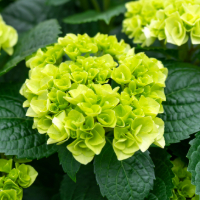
(27, 175)
(8, 194)
(80, 151)
(5, 165)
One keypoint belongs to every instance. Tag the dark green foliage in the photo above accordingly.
(194, 162)
(40, 36)
(127, 179)
(16, 134)
(182, 108)
(92, 15)
(69, 164)
(163, 184)
(85, 188)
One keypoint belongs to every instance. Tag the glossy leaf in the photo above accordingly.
(40, 36)
(182, 108)
(16, 134)
(23, 15)
(56, 2)
(128, 179)
(194, 162)
(85, 188)
(159, 191)
(69, 164)
(167, 52)
(163, 184)
(91, 15)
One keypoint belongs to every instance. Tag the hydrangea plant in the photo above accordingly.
(173, 21)
(69, 95)
(15, 179)
(99, 102)
(183, 188)
(8, 37)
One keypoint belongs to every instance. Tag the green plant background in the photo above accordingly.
(145, 175)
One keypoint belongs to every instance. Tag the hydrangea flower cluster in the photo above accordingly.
(69, 94)
(14, 179)
(183, 188)
(8, 37)
(170, 20)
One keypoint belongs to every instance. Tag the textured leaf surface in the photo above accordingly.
(91, 15)
(43, 34)
(56, 2)
(16, 134)
(182, 108)
(163, 185)
(25, 14)
(69, 164)
(159, 191)
(152, 196)
(194, 162)
(85, 188)
(128, 179)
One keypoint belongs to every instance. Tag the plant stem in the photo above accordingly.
(96, 5)
(110, 133)
(184, 52)
(108, 140)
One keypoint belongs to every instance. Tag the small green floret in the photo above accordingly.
(8, 37)
(69, 95)
(183, 188)
(170, 20)
(15, 179)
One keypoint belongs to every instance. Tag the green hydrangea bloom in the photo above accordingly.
(8, 194)
(15, 179)
(8, 37)
(183, 188)
(69, 95)
(170, 20)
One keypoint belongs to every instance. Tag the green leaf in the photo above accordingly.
(3, 58)
(170, 52)
(159, 191)
(16, 134)
(182, 108)
(69, 164)
(42, 35)
(128, 179)
(152, 196)
(56, 2)
(25, 14)
(163, 184)
(91, 15)
(194, 162)
(85, 188)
